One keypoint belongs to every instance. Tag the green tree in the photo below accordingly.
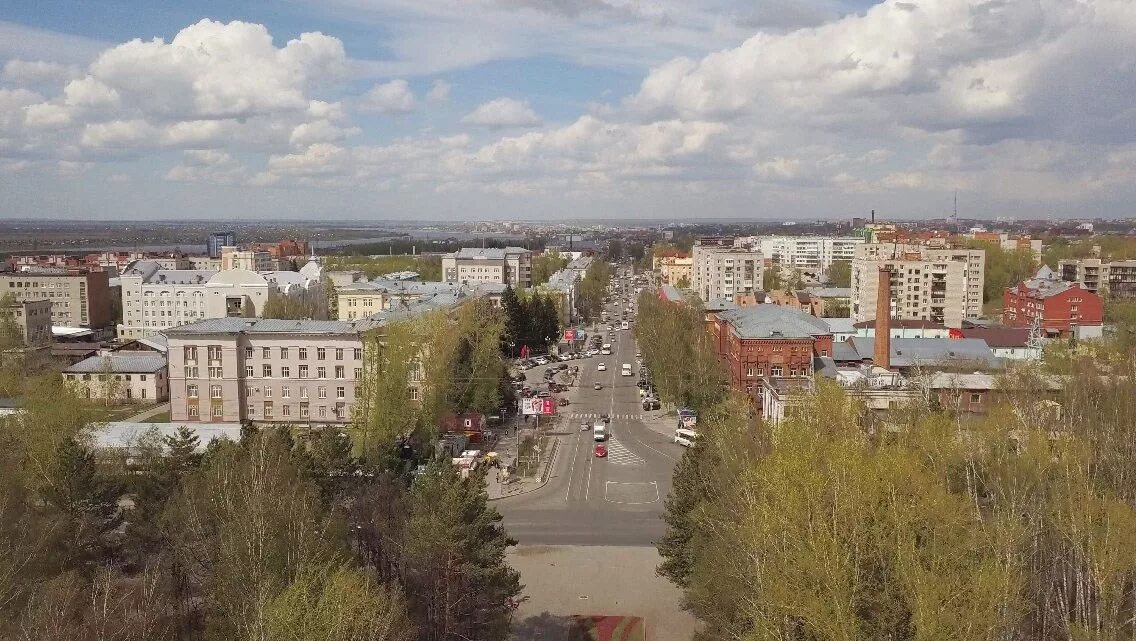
(683, 282)
(614, 250)
(337, 604)
(457, 580)
(331, 292)
(840, 273)
(385, 410)
(514, 310)
(771, 278)
(545, 265)
(636, 251)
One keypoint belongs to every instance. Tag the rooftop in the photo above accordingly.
(773, 321)
(119, 363)
(930, 352)
(486, 253)
(123, 435)
(268, 326)
(999, 337)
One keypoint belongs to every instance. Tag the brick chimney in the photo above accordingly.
(882, 355)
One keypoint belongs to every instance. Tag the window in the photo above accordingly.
(321, 372)
(267, 391)
(214, 352)
(190, 354)
(141, 378)
(216, 372)
(303, 371)
(191, 372)
(358, 373)
(323, 411)
(266, 371)
(191, 391)
(749, 372)
(775, 371)
(303, 353)
(358, 353)
(303, 392)
(339, 371)
(249, 371)
(976, 397)
(303, 410)
(268, 409)
(218, 410)
(414, 393)
(340, 392)
(339, 407)
(322, 391)
(285, 392)
(286, 372)
(248, 352)
(285, 410)
(214, 391)
(192, 411)
(321, 354)
(283, 352)
(265, 352)
(338, 353)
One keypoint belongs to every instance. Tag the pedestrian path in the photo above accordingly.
(620, 455)
(595, 415)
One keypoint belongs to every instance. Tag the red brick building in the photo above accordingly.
(768, 341)
(1061, 309)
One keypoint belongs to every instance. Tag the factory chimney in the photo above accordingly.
(873, 217)
(882, 354)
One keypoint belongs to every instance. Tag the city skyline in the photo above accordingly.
(548, 110)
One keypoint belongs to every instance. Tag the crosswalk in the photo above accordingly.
(619, 455)
(615, 417)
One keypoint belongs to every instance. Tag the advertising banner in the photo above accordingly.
(569, 334)
(538, 406)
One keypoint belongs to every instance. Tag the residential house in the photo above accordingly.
(1059, 309)
(124, 376)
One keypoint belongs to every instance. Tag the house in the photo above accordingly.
(1059, 309)
(470, 424)
(1006, 342)
(912, 354)
(125, 377)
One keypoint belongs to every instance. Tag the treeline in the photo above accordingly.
(1018, 525)
(679, 352)
(329, 537)
(429, 268)
(592, 290)
(531, 319)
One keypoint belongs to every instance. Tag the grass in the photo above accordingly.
(164, 417)
(103, 414)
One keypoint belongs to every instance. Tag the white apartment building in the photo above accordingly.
(156, 299)
(808, 252)
(938, 285)
(721, 271)
(508, 266)
(132, 377)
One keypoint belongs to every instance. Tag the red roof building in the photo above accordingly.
(1059, 308)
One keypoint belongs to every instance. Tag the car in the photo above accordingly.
(638, 354)
(584, 427)
(562, 401)
(540, 360)
(566, 356)
(601, 368)
(598, 386)
(545, 394)
(601, 450)
(651, 403)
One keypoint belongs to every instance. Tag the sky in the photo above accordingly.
(556, 110)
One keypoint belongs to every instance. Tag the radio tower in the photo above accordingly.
(955, 214)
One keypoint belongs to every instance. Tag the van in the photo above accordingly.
(685, 437)
(606, 349)
(626, 371)
(599, 431)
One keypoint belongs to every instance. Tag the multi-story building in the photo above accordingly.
(1008, 242)
(1116, 278)
(217, 240)
(1056, 307)
(676, 269)
(155, 299)
(721, 270)
(227, 370)
(132, 377)
(253, 261)
(33, 317)
(768, 342)
(364, 298)
(508, 266)
(939, 285)
(815, 253)
(79, 298)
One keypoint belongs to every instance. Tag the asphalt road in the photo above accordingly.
(614, 501)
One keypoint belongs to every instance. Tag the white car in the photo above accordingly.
(601, 368)
(540, 360)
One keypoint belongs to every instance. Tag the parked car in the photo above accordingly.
(562, 401)
(598, 386)
(601, 368)
(651, 403)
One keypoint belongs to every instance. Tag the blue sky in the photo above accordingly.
(554, 109)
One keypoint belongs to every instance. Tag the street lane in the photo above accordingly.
(615, 500)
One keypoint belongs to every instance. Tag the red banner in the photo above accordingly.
(569, 334)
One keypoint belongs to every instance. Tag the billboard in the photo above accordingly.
(538, 406)
(569, 334)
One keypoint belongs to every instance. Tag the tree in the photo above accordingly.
(840, 274)
(614, 250)
(248, 310)
(455, 575)
(337, 604)
(636, 251)
(385, 410)
(771, 278)
(514, 318)
(683, 282)
(545, 265)
(332, 294)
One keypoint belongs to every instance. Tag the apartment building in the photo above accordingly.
(132, 377)
(1058, 308)
(721, 270)
(1106, 278)
(155, 299)
(79, 298)
(363, 298)
(227, 370)
(33, 317)
(809, 252)
(939, 285)
(676, 269)
(508, 266)
(253, 261)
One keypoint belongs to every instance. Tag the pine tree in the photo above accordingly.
(457, 580)
(181, 449)
(84, 500)
(514, 317)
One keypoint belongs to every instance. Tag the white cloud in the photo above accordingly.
(394, 97)
(503, 113)
(208, 166)
(439, 91)
(37, 72)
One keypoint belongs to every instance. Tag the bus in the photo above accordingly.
(626, 369)
(624, 325)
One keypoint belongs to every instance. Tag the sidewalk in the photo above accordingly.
(142, 416)
(506, 448)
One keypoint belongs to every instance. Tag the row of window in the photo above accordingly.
(217, 393)
(269, 410)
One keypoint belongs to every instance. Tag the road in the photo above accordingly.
(615, 501)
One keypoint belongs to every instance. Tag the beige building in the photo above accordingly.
(675, 270)
(508, 266)
(155, 299)
(227, 370)
(78, 298)
(131, 377)
(722, 271)
(1116, 279)
(938, 285)
(361, 299)
(253, 261)
(33, 317)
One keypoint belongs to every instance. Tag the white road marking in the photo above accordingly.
(618, 454)
(572, 467)
(654, 485)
